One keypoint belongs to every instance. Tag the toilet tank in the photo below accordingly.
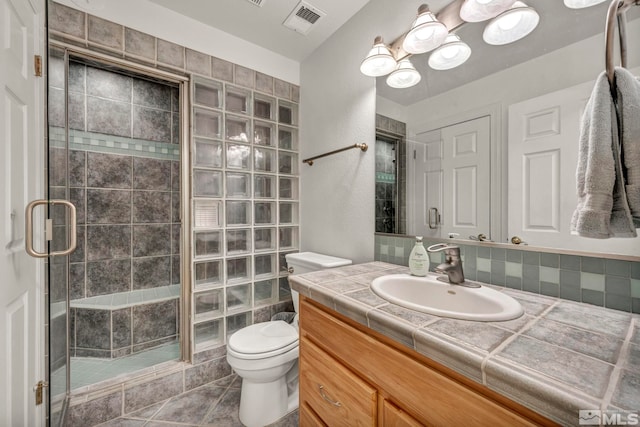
(306, 262)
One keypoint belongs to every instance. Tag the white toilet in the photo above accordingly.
(265, 355)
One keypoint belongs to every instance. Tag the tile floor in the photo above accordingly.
(214, 404)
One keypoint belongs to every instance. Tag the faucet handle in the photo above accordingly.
(441, 247)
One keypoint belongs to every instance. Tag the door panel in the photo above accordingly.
(466, 186)
(452, 176)
(543, 155)
(21, 179)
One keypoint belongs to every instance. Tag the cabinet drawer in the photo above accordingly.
(337, 395)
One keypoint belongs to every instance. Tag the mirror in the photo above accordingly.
(530, 93)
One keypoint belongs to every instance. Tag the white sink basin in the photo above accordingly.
(429, 295)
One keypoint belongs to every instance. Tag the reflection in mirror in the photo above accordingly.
(391, 182)
(492, 145)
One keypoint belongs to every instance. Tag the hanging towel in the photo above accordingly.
(603, 208)
(628, 88)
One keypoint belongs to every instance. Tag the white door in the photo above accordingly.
(427, 184)
(543, 155)
(21, 180)
(452, 187)
(467, 180)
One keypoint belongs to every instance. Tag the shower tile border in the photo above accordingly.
(110, 144)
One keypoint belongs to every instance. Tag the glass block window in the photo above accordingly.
(245, 188)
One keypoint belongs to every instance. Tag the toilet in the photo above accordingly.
(265, 355)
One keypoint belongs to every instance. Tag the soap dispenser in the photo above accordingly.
(419, 259)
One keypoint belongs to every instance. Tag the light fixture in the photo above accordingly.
(379, 60)
(579, 4)
(449, 54)
(481, 10)
(511, 25)
(511, 20)
(405, 75)
(426, 33)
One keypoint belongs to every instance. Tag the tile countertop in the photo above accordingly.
(559, 357)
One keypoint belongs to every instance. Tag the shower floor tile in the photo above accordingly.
(86, 371)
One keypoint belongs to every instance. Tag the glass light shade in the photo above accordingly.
(511, 25)
(579, 4)
(450, 54)
(405, 75)
(426, 33)
(379, 60)
(481, 10)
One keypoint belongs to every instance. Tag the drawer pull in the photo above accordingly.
(327, 398)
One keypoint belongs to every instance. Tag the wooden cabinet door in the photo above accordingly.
(392, 416)
(337, 395)
(308, 418)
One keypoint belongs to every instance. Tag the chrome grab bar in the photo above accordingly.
(49, 228)
(309, 161)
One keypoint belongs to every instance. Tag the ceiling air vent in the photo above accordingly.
(258, 3)
(302, 17)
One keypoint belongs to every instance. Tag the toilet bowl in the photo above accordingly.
(265, 355)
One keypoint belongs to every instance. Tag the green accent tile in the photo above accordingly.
(484, 252)
(483, 276)
(514, 256)
(617, 267)
(514, 282)
(593, 297)
(570, 278)
(497, 272)
(499, 254)
(550, 275)
(570, 292)
(549, 289)
(592, 265)
(513, 269)
(570, 262)
(531, 258)
(483, 264)
(591, 281)
(617, 302)
(635, 270)
(617, 286)
(635, 288)
(550, 260)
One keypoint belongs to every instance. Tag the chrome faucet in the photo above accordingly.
(452, 265)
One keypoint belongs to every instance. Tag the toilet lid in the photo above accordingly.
(263, 337)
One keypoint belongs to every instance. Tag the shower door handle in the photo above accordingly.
(49, 228)
(436, 220)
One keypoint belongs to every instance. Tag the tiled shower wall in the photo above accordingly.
(604, 282)
(124, 181)
(391, 176)
(77, 28)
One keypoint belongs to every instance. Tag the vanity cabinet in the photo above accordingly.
(353, 376)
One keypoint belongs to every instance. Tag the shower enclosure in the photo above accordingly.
(114, 146)
(391, 176)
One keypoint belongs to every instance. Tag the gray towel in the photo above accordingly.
(628, 88)
(603, 209)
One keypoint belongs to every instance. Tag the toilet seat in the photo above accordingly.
(263, 340)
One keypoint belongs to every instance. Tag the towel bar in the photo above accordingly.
(309, 161)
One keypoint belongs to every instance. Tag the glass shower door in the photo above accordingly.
(58, 267)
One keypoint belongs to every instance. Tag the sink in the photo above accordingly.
(433, 296)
